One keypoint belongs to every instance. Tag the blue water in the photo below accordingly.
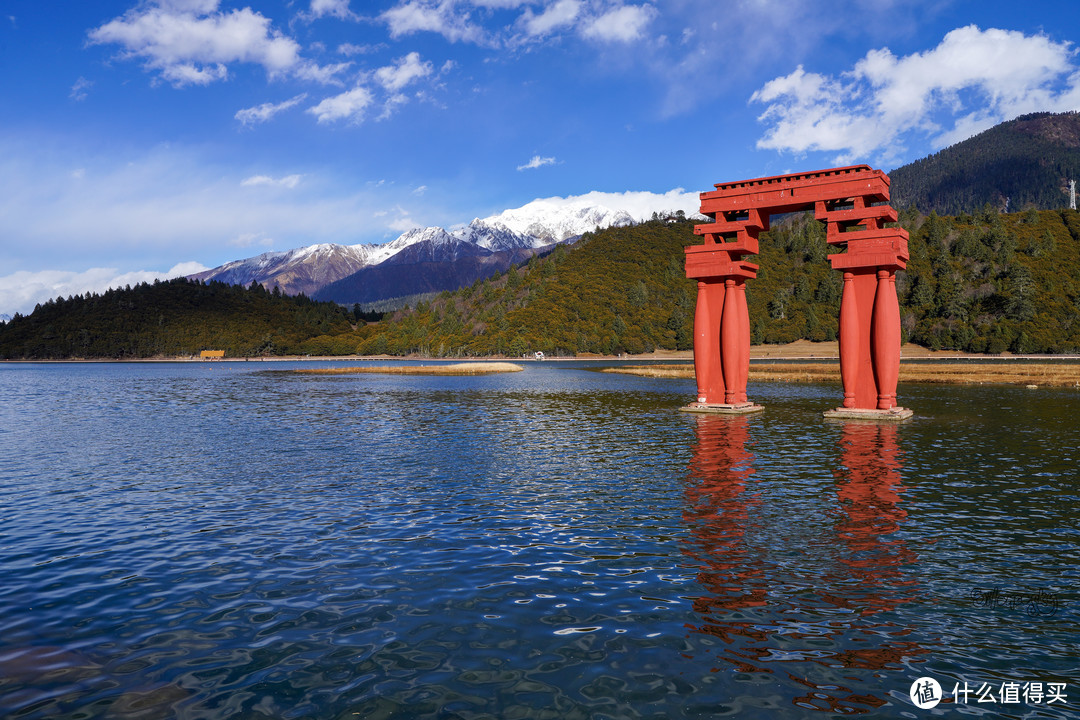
(235, 540)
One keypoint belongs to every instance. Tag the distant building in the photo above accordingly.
(212, 354)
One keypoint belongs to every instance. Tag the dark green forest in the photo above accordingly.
(1020, 164)
(982, 282)
(174, 318)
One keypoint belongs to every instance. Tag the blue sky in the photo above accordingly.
(143, 138)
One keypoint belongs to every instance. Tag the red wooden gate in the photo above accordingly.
(853, 203)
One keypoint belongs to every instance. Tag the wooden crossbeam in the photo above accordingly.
(788, 193)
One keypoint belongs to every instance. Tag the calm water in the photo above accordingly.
(231, 540)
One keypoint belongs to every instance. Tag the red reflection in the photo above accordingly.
(757, 602)
(869, 486)
(718, 511)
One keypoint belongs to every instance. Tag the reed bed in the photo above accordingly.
(1043, 374)
(476, 368)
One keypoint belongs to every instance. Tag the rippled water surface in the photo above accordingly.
(234, 540)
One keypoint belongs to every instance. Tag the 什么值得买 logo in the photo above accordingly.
(925, 693)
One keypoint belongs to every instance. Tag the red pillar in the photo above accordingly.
(870, 321)
(722, 322)
(744, 343)
(707, 368)
(849, 340)
(730, 337)
(886, 339)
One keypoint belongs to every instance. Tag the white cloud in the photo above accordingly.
(251, 239)
(402, 221)
(21, 291)
(150, 210)
(288, 181)
(264, 112)
(333, 8)
(436, 16)
(187, 74)
(391, 104)
(349, 49)
(191, 42)
(322, 74)
(195, 6)
(354, 104)
(972, 80)
(508, 23)
(349, 105)
(404, 71)
(78, 90)
(501, 4)
(536, 162)
(621, 24)
(559, 14)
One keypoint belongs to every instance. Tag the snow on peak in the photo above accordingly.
(496, 236)
(538, 223)
(549, 220)
(432, 235)
(558, 219)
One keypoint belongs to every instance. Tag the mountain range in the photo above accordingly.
(424, 260)
(1020, 164)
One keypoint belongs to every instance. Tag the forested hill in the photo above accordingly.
(174, 318)
(1027, 162)
(981, 283)
(984, 282)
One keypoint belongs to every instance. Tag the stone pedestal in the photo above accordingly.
(893, 414)
(743, 408)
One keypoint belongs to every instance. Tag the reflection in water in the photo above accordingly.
(820, 615)
(868, 486)
(718, 512)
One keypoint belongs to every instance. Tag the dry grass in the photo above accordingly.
(475, 368)
(1046, 374)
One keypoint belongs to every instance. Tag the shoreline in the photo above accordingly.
(1026, 373)
(800, 350)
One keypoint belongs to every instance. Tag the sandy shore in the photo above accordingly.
(470, 368)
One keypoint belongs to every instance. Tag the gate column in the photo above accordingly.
(722, 320)
(869, 309)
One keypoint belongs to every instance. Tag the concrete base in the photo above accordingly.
(745, 408)
(893, 415)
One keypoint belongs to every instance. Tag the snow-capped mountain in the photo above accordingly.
(428, 244)
(555, 219)
(492, 235)
(482, 248)
(302, 270)
(308, 269)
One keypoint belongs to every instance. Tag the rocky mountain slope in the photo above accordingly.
(299, 271)
(427, 259)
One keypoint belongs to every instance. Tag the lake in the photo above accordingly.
(234, 540)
